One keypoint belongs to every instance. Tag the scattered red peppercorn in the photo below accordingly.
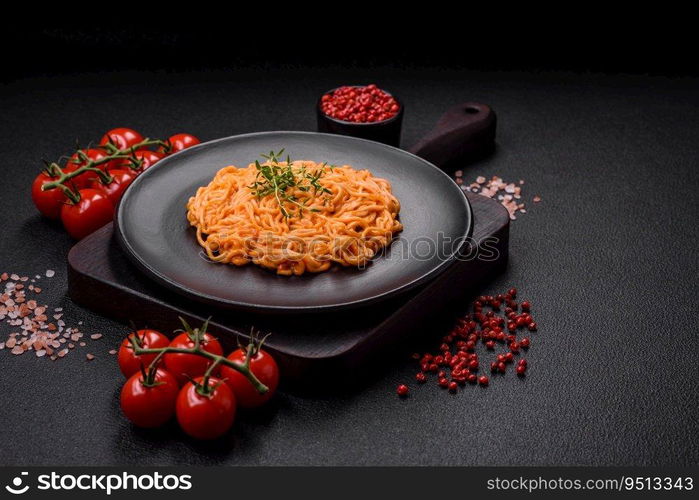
(456, 359)
(359, 104)
(402, 390)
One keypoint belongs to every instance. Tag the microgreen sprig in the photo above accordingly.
(276, 178)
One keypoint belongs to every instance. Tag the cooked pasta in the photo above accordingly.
(324, 215)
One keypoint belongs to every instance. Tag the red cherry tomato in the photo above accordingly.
(145, 157)
(49, 202)
(75, 162)
(187, 366)
(178, 142)
(206, 417)
(148, 158)
(93, 211)
(150, 406)
(263, 367)
(116, 188)
(122, 137)
(129, 363)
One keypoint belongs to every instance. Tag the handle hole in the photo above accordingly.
(472, 110)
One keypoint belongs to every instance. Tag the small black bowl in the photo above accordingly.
(386, 131)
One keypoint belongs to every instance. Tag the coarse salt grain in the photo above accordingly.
(50, 273)
(19, 310)
(505, 193)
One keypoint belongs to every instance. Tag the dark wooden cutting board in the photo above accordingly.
(313, 346)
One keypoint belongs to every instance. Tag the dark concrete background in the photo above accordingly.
(608, 259)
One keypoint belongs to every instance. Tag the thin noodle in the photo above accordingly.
(347, 226)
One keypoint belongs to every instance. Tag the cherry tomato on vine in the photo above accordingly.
(93, 211)
(148, 405)
(263, 367)
(148, 158)
(130, 363)
(122, 137)
(187, 366)
(145, 157)
(206, 416)
(178, 142)
(120, 181)
(75, 162)
(49, 202)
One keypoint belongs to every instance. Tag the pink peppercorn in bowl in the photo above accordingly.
(363, 111)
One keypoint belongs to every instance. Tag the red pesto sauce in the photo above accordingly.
(359, 104)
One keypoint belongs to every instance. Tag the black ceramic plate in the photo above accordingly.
(153, 229)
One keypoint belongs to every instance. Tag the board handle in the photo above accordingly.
(464, 133)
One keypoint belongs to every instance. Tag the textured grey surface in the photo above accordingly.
(608, 259)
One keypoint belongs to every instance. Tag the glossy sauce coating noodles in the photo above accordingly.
(347, 224)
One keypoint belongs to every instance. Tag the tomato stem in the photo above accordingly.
(243, 368)
(91, 165)
(203, 388)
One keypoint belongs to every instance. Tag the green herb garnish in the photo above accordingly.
(275, 179)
